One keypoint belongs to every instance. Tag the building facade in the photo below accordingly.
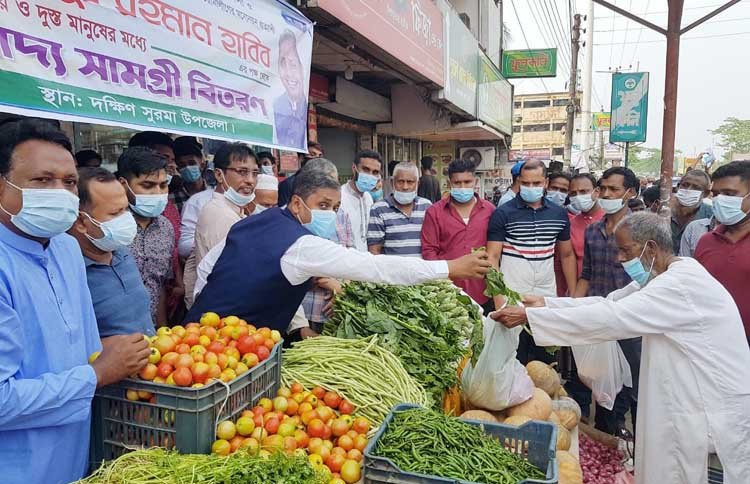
(539, 122)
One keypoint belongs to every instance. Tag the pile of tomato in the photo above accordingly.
(316, 423)
(198, 353)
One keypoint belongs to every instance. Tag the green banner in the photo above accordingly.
(22, 92)
(529, 63)
(629, 107)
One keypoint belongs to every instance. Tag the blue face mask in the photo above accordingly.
(238, 198)
(558, 198)
(118, 232)
(404, 198)
(532, 194)
(44, 212)
(462, 195)
(377, 194)
(636, 271)
(267, 169)
(191, 173)
(366, 182)
(149, 206)
(728, 209)
(322, 223)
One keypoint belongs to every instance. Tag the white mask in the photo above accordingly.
(582, 203)
(689, 198)
(611, 206)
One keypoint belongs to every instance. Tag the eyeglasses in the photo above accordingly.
(244, 172)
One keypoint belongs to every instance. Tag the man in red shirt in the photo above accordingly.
(725, 252)
(456, 225)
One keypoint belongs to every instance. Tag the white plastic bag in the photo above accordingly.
(604, 369)
(499, 380)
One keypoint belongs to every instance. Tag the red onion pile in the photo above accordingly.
(598, 462)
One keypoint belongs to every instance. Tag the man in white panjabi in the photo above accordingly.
(694, 394)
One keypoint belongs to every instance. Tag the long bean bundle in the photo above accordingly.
(360, 370)
(159, 466)
(427, 442)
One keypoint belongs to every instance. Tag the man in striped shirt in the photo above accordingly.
(396, 221)
(522, 238)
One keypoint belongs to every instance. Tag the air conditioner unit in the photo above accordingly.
(482, 156)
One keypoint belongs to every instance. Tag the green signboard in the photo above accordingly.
(629, 107)
(529, 63)
(494, 97)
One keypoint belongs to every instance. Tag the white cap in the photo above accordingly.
(267, 182)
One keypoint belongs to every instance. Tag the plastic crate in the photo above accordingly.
(182, 418)
(535, 441)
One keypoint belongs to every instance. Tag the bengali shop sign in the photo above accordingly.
(227, 69)
(529, 63)
(494, 97)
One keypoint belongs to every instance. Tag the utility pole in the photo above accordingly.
(572, 88)
(588, 67)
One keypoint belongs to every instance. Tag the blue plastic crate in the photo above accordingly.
(535, 441)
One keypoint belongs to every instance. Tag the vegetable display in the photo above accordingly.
(159, 466)
(599, 462)
(360, 370)
(427, 442)
(496, 287)
(426, 326)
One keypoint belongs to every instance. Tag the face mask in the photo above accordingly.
(636, 271)
(582, 203)
(259, 209)
(611, 206)
(462, 195)
(728, 209)
(322, 223)
(149, 206)
(366, 182)
(118, 232)
(169, 178)
(689, 198)
(377, 194)
(573, 210)
(237, 198)
(532, 194)
(404, 198)
(558, 198)
(191, 173)
(45, 212)
(267, 169)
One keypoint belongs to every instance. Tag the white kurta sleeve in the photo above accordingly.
(206, 266)
(570, 302)
(660, 307)
(298, 321)
(312, 256)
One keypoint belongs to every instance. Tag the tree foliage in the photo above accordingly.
(735, 136)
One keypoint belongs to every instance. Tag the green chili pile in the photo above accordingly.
(427, 442)
(426, 326)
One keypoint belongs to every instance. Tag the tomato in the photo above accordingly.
(346, 443)
(226, 430)
(319, 392)
(345, 407)
(272, 425)
(316, 428)
(290, 444)
(200, 372)
(326, 431)
(263, 353)
(191, 339)
(312, 399)
(227, 375)
(214, 371)
(314, 445)
(164, 343)
(269, 344)
(216, 347)
(296, 388)
(210, 319)
(177, 340)
(275, 336)
(315, 460)
(361, 425)
(354, 454)
(326, 414)
(259, 339)
(222, 360)
(241, 368)
(236, 442)
(360, 442)
(334, 462)
(210, 332)
(204, 340)
(273, 443)
(148, 372)
(229, 351)
(132, 395)
(304, 407)
(246, 344)
(339, 427)
(154, 357)
(259, 433)
(183, 377)
(231, 321)
(221, 447)
(179, 330)
(332, 399)
(184, 361)
(251, 445)
(309, 416)
(336, 480)
(182, 348)
(265, 332)
(303, 440)
(287, 429)
(351, 471)
(266, 404)
(164, 369)
(170, 357)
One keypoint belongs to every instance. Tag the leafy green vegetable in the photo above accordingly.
(496, 286)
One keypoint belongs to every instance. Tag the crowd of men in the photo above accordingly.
(147, 241)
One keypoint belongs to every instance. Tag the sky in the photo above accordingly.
(714, 78)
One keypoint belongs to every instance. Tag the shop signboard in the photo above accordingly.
(538, 153)
(629, 107)
(529, 63)
(601, 121)
(461, 65)
(495, 97)
(409, 30)
(219, 69)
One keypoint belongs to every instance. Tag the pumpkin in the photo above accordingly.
(560, 393)
(538, 407)
(554, 418)
(544, 377)
(568, 412)
(569, 469)
(479, 415)
(517, 421)
(563, 438)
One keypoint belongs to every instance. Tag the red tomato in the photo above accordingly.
(263, 353)
(182, 348)
(272, 425)
(164, 369)
(332, 399)
(148, 372)
(319, 392)
(361, 425)
(334, 462)
(183, 377)
(246, 344)
(316, 428)
(345, 407)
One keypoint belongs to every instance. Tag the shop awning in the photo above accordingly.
(466, 131)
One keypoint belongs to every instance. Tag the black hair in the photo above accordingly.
(367, 154)
(266, 154)
(314, 177)
(187, 145)
(630, 180)
(88, 174)
(635, 204)
(17, 132)
(534, 165)
(651, 195)
(139, 160)
(460, 165)
(735, 168)
(230, 151)
(151, 139)
(585, 176)
(84, 156)
(392, 166)
(314, 144)
(426, 162)
(558, 174)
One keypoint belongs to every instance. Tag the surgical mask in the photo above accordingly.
(404, 198)
(636, 271)
(611, 206)
(532, 194)
(572, 209)
(238, 198)
(322, 223)
(149, 206)
(462, 195)
(259, 209)
(191, 173)
(45, 212)
(377, 194)
(366, 182)
(267, 169)
(689, 198)
(558, 198)
(728, 209)
(118, 232)
(582, 203)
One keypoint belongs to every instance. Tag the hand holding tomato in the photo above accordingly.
(121, 356)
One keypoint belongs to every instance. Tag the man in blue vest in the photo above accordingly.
(269, 259)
